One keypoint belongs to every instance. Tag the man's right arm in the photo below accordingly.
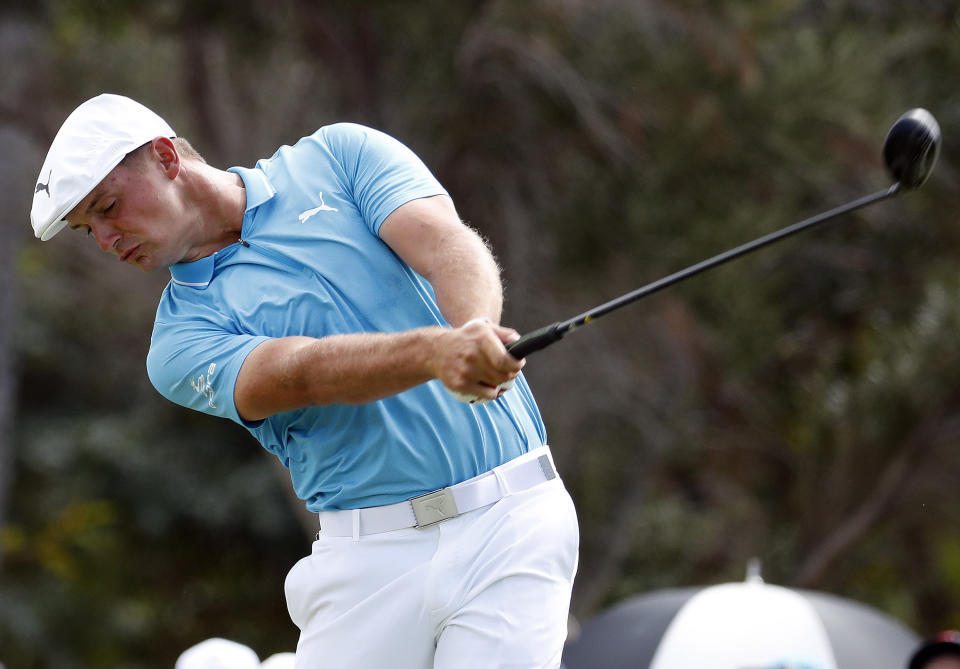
(295, 372)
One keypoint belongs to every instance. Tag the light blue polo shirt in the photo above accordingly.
(311, 263)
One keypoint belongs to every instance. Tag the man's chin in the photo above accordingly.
(144, 263)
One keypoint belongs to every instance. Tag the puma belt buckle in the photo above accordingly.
(433, 507)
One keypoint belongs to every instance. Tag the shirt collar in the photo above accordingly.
(258, 187)
(197, 274)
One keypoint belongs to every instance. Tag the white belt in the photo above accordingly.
(521, 473)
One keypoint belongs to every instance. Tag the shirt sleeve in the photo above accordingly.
(382, 172)
(194, 362)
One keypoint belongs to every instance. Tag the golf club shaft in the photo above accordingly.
(543, 337)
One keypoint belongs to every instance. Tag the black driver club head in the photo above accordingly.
(911, 147)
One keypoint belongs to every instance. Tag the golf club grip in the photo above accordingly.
(536, 340)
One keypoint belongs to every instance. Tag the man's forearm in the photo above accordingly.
(466, 280)
(294, 372)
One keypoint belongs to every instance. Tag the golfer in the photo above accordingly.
(330, 300)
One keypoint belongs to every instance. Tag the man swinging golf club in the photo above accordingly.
(330, 300)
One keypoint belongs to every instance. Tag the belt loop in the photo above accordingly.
(501, 479)
(356, 524)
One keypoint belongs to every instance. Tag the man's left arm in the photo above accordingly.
(429, 236)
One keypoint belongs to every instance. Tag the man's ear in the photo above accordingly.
(165, 153)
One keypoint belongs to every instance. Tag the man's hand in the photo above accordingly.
(473, 363)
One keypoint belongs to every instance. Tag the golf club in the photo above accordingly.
(909, 151)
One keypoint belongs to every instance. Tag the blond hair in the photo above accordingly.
(184, 148)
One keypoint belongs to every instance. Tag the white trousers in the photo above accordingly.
(487, 589)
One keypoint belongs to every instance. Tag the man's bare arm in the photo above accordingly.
(429, 236)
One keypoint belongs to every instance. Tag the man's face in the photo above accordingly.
(136, 212)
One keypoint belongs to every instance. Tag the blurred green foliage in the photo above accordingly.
(799, 406)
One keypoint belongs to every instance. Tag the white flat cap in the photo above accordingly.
(90, 143)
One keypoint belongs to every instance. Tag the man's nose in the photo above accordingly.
(105, 235)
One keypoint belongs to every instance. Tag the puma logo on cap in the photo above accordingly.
(44, 186)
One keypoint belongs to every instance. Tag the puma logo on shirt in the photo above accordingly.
(309, 213)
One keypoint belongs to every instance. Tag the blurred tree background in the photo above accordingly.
(800, 406)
